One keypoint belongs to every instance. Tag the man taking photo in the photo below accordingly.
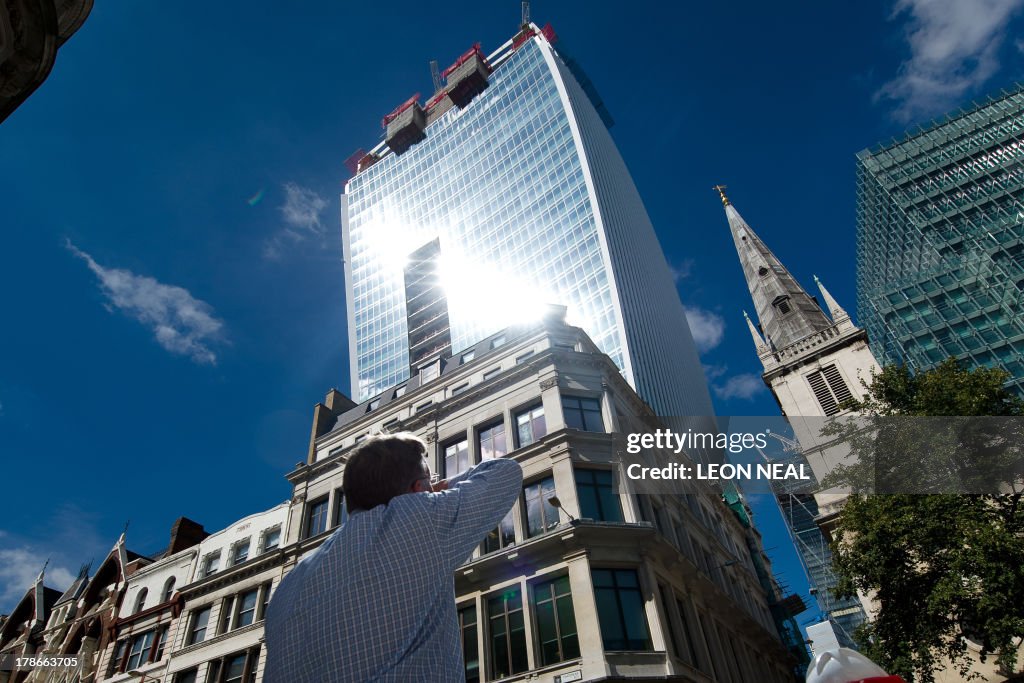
(376, 601)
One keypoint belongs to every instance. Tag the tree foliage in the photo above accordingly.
(942, 568)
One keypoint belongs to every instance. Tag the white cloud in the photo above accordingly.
(180, 323)
(301, 211)
(706, 327)
(68, 537)
(19, 568)
(713, 372)
(954, 48)
(682, 270)
(745, 386)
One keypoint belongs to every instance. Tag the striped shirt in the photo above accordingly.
(376, 601)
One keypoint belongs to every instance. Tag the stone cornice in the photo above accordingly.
(233, 575)
(809, 349)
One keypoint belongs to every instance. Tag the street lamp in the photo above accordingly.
(558, 504)
(727, 564)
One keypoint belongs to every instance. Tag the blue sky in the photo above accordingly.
(171, 262)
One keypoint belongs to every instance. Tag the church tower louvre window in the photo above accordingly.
(829, 388)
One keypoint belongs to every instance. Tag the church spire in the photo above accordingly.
(834, 309)
(786, 312)
(762, 348)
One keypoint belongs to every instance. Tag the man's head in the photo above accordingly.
(383, 467)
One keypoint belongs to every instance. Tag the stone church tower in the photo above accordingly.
(812, 360)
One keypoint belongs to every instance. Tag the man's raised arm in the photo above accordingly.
(474, 504)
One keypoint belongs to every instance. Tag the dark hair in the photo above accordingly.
(380, 468)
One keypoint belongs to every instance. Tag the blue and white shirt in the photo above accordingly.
(376, 601)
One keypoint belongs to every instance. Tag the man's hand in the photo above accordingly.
(439, 486)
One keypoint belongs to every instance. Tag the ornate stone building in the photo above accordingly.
(581, 581)
(31, 31)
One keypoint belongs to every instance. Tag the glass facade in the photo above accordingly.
(940, 242)
(531, 204)
(800, 512)
(501, 181)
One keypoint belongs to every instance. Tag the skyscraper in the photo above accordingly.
(511, 169)
(940, 241)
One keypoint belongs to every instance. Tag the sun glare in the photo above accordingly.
(482, 295)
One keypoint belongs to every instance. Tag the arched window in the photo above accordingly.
(168, 589)
(140, 601)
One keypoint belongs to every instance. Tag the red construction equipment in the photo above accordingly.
(467, 77)
(406, 125)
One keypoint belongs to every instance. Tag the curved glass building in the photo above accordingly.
(524, 200)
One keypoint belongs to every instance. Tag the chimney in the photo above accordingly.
(184, 534)
(338, 402)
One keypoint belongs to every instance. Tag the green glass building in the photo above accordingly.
(940, 241)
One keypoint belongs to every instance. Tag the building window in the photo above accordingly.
(582, 413)
(497, 341)
(140, 601)
(243, 609)
(782, 305)
(316, 517)
(460, 389)
(211, 563)
(188, 676)
(596, 495)
(503, 536)
(470, 649)
(493, 372)
(456, 458)
(117, 661)
(240, 552)
(197, 630)
(247, 608)
(168, 589)
(829, 388)
(673, 635)
(429, 373)
(556, 621)
(423, 406)
(507, 631)
(400, 391)
(530, 425)
(373, 405)
(468, 356)
(271, 538)
(491, 441)
(340, 512)
(684, 619)
(138, 653)
(161, 643)
(523, 358)
(541, 515)
(620, 610)
(235, 668)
